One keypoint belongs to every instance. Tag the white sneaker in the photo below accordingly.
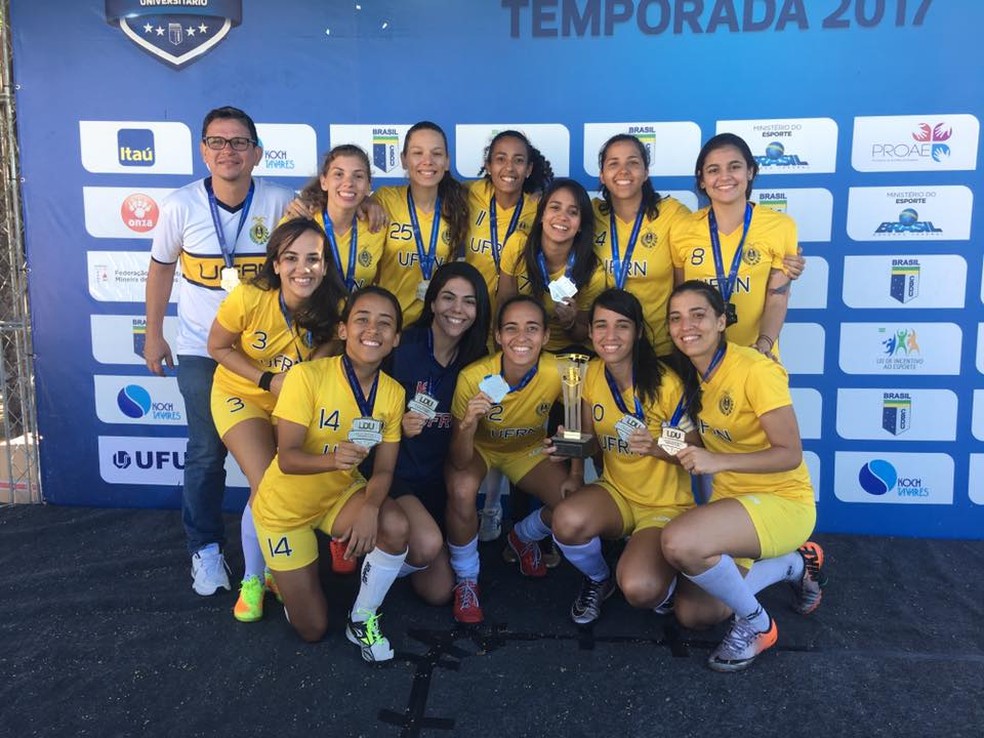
(490, 524)
(209, 570)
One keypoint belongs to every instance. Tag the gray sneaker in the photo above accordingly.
(209, 571)
(490, 524)
(587, 607)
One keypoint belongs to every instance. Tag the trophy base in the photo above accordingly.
(573, 448)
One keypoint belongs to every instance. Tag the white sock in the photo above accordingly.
(379, 571)
(788, 568)
(464, 560)
(724, 581)
(531, 528)
(492, 484)
(252, 553)
(408, 569)
(669, 594)
(587, 559)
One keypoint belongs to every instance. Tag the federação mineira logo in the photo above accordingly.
(175, 31)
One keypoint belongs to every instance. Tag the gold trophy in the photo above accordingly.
(572, 443)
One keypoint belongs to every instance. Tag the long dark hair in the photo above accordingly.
(312, 195)
(585, 261)
(474, 343)
(677, 359)
(646, 368)
(319, 313)
(650, 197)
(454, 197)
(720, 141)
(540, 175)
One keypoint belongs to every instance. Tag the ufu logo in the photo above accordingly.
(149, 460)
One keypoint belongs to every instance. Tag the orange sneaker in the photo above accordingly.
(271, 585)
(466, 607)
(530, 561)
(808, 591)
(339, 564)
(742, 645)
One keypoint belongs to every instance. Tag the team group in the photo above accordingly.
(378, 354)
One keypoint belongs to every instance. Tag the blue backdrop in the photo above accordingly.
(864, 114)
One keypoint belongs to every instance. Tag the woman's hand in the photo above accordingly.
(699, 460)
(374, 214)
(349, 455)
(566, 313)
(641, 442)
(362, 536)
(478, 406)
(413, 424)
(794, 265)
(297, 208)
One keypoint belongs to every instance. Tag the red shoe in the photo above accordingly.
(466, 607)
(339, 564)
(530, 562)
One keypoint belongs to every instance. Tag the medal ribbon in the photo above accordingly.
(617, 396)
(365, 405)
(494, 227)
(568, 270)
(727, 287)
(620, 268)
(426, 260)
(213, 205)
(527, 378)
(347, 277)
(288, 319)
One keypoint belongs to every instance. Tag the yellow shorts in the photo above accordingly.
(288, 550)
(229, 409)
(636, 517)
(515, 464)
(782, 524)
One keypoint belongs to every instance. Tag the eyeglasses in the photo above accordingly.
(238, 143)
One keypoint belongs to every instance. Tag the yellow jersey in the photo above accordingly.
(369, 250)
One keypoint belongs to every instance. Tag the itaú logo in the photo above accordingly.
(149, 460)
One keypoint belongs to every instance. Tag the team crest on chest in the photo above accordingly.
(365, 258)
(726, 404)
(258, 232)
(446, 236)
(543, 408)
(649, 239)
(751, 256)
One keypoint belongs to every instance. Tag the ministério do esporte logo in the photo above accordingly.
(879, 477)
(134, 401)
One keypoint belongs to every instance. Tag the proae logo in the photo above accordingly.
(135, 402)
(878, 477)
(135, 147)
(149, 459)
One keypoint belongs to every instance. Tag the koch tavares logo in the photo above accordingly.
(175, 31)
(908, 222)
(149, 459)
(776, 156)
(135, 402)
(879, 477)
(135, 147)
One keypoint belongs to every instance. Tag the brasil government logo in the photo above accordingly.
(175, 31)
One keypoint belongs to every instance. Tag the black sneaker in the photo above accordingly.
(587, 607)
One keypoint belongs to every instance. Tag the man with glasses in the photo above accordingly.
(218, 228)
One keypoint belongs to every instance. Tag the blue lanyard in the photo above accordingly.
(727, 287)
(568, 270)
(434, 384)
(213, 206)
(617, 396)
(681, 408)
(494, 227)
(288, 319)
(426, 260)
(527, 378)
(365, 405)
(715, 360)
(621, 267)
(347, 277)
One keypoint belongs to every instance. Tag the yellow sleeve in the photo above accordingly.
(232, 311)
(394, 409)
(589, 293)
(678, 236)
(767, 386)
(296, 400)
(465, 389)
(790, 242)
(511, 261)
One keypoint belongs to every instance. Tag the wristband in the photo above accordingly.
(762, 336)
(264, 381)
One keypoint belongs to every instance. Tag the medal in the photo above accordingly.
(424, 404)
(628, 425)
(366, 432)
(229, 278)
(671, 440)
(428, 259)
(495, 387)
(620, 267)
(422, 289)
(727, 284)
(562, 288)
(731, 314)
(348, 276)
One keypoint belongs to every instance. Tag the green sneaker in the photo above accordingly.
(271, 585)
(249, 606)
(375, 646)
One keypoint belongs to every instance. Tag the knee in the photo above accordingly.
(427, 546)
(568, 525)
(678, 547)
(462, 494)
(394, 528)
(312, 628)
(642, 592)
(694, 617)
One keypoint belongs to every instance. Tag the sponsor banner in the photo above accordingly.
(687, 197)
(909, 213)
(790, 145)
(121, 276)
(900, 348)
(154, 461)
(673, 146)
(901, 479)
(897, 281)
(976, 480)
(383, 142)
(470, 141)
(979, 363)
(139, 400)
(802, 347)
(135, 147)
(977, 420)
(813, 465)
(897, 414)
(809, 411)
(289, 150)
(122, 212)
(811, 207)
(809, 292)
(120, 339)
(915, 143)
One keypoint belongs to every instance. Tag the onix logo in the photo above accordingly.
(139, 212)
(934, 135)
(135, 147)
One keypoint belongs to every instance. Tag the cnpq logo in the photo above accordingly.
(139, 212)
(175, 31)
(135, 402)
(135, 147)
(878, 477)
